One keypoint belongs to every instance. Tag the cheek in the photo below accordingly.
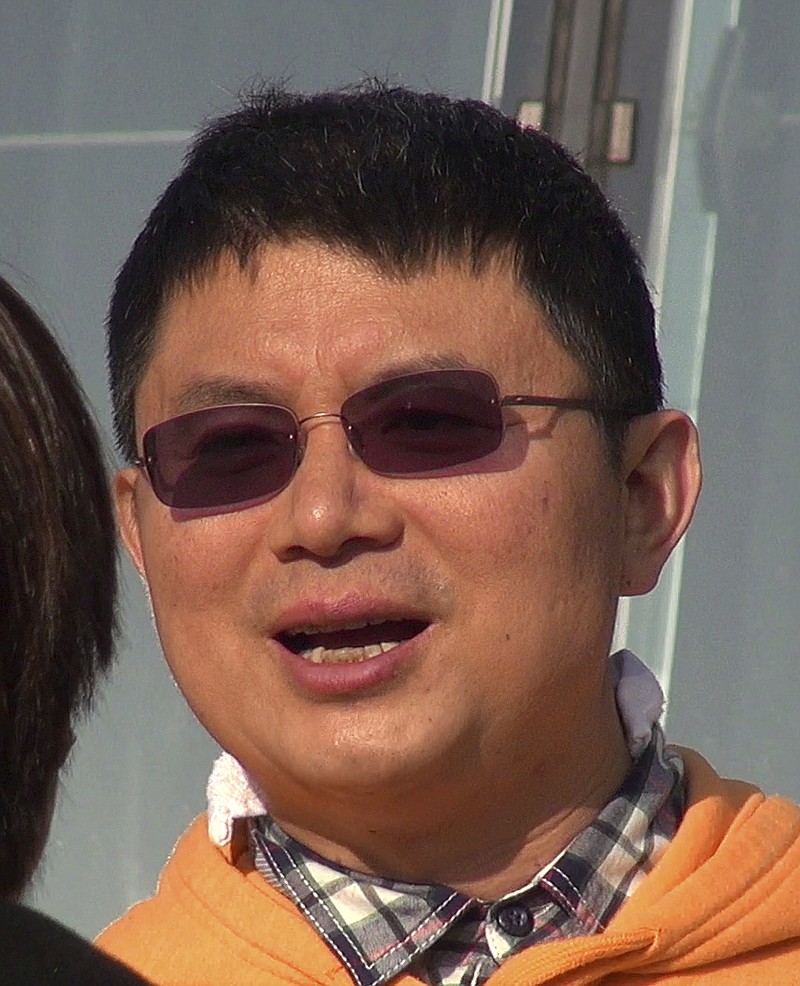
(192, 558)
(488, 522)
(538, 543)
(191, 573)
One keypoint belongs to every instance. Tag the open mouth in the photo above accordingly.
(350, 643)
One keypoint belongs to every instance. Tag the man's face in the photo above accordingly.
(499, 578)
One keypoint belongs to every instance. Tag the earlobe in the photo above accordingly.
(663, 477)
(124, 492)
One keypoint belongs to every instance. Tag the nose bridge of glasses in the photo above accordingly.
(318, 416)
(321, 418)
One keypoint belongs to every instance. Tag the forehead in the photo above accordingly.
(305, 317)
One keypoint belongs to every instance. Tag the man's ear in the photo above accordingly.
(124, 492)
(662, 475)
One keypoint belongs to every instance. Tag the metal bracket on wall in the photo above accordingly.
(581, 108)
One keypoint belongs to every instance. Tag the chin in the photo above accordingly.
(373, 770)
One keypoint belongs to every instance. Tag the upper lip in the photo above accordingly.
(344, 612)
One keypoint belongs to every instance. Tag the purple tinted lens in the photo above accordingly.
(222, 456)
(425, 421)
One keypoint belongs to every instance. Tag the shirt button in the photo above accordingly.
(515, 920)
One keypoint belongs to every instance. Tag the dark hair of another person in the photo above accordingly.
(405, 180)
(58, 578)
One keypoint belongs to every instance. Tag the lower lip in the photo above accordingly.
(337, 680)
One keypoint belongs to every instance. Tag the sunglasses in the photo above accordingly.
(236, 455)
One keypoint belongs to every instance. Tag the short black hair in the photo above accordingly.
(403, 179)
(58, 577)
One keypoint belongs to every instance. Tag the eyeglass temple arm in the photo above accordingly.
(575, 404)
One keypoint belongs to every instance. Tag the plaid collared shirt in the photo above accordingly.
(379, 928)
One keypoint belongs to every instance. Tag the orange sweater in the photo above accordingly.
(722, 907)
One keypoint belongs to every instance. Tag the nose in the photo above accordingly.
(334, 505)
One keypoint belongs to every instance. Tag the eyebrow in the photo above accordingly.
(214, 391)
(424, 361)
